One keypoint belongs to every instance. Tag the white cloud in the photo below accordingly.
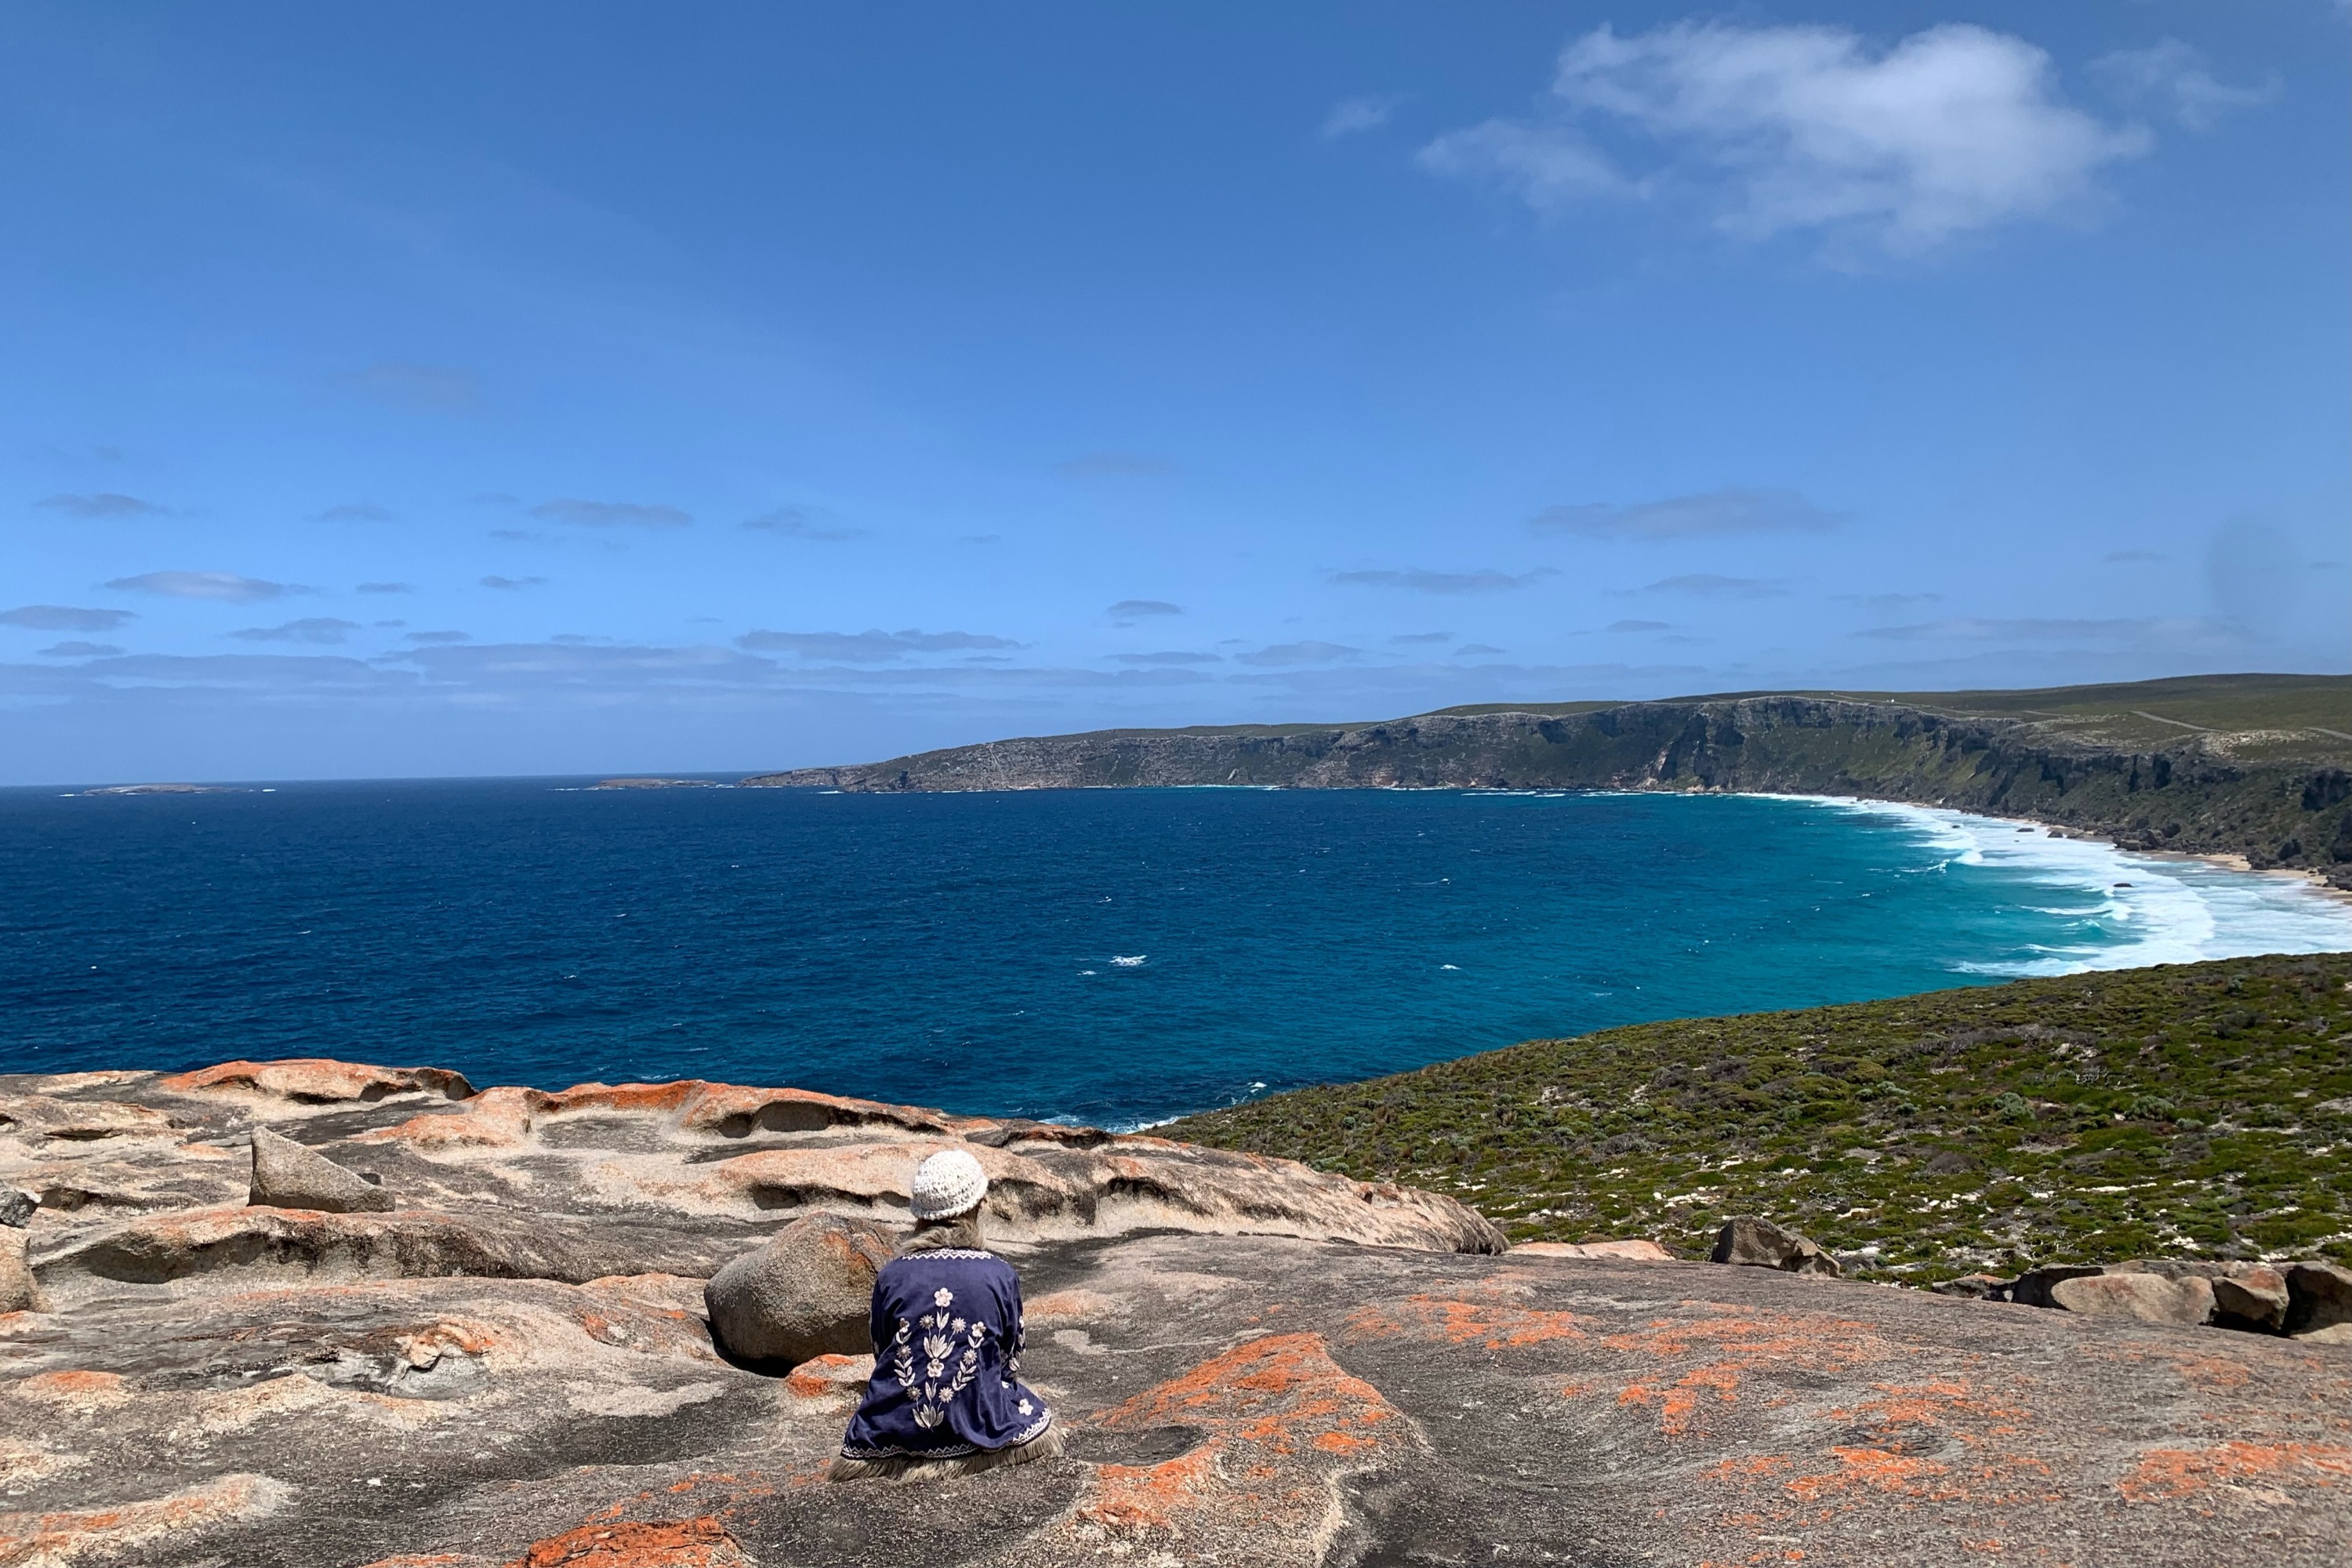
(1714, 513)
(1350, 115)
(2173, 76)
(224, 586)
(1285, 654)
(64, 618)
(1715, 585)
(1421, 580)
(869, 647)
(311, 629)
(611, 513)
(1548, 167)
(1954, 130)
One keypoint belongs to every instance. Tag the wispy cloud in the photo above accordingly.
(1713, 586)
(101, 504)
(1973, 628)
(2133, 557)
(222, 585)
(309, 629)
(352, 511)
(1425, 582)
(439, 636)
(869, 647)
(80, 650)
(1888, 601)
(511, 584)
(2173, 77)
(1952, 130)
(1115, 465)
(610, 513)
(1407, 639)
(1175, 655)
(1367, 112)
(1127, 612)
(1298, 653)
(415, 388)
(802, 523)
(386, 588)
(1639, 626)
(64, 618)
(1478, 649)
(1710, 514)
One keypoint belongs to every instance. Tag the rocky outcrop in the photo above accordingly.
(2278, 796)
(806, 1294)
(1245, 1400)
(1758, 1243)
(520, 1364)
(287, 1176)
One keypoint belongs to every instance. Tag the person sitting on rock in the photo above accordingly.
(945, 1398)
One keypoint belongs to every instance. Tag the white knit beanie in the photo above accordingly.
(948, 1184)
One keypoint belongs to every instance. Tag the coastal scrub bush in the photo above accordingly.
(2197, 1110)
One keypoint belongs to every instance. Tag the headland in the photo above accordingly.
(2257, 767)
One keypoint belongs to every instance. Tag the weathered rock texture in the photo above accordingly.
(287, 1176)
(2252, 772)
(518, 1371)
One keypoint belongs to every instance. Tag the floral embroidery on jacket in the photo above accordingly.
(942, 1337)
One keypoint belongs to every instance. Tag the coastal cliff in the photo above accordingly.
(2253, 765)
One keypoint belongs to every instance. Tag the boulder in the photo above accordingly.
(16, 1207)
(2319, 1296)
(2034, 1287)
(2186, 1301)
(285, 1175)
(807, 1293)
(1759, 1244)
(1974, 1287)
(1634, 1251)
(19, 1293)
(2251, 1296)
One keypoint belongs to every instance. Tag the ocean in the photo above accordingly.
(1113, 956)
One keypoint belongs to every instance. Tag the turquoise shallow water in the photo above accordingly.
(1113, 956)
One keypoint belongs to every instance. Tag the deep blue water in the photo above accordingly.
(1110, 955)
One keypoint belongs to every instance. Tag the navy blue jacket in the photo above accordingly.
(946, 1353)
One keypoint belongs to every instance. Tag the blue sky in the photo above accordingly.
(440, 389)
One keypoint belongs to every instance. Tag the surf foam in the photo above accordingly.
(2135, 909)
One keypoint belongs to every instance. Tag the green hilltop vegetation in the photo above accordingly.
(2199, 1110)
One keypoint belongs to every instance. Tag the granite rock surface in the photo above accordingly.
(513, 1366)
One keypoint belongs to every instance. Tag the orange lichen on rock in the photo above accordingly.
(1879, 1470)
(1282, 1423)
(83, 1391)
(1276, 1391)
(1144, 1502)
(1678, 1403)
(2165, 1474)
(316, 1080)
(685, 1544)
(1460, 1323)
(57, 1538)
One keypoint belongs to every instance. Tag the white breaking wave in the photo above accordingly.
(2136, 909)
(1130, 961)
